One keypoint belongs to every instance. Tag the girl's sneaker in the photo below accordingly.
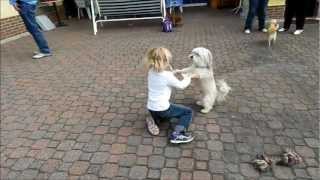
(182, 137)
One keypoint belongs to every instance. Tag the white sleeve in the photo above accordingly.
(174, 82)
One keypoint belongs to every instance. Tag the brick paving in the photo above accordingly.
(80, 114)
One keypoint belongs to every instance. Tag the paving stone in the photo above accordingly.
(186, 164)
(154, 174)
(227, 137)
(230, 156)
(92, 146)
(22, 164)
(72, 156)
(58, 176)
(172, 152)
(215, 145)
(305, 151)
(171, 163)
(99, 157)
(312, 142)
(283, 173)
(234, 177)
(275, 124)
(138, 172)
(127, 160)
(216, 166)
(109, 170)
(79, 168)
(201, 154)
(89, 177)
(201, 175)
(66, 145)
(169, 174)
(145, 150)
(301, 173)
(134, 140)
(118, 148)
(248, 171)
(50, 166)
(314, 172)
(186, 176)
(156, 162)
(19, 152)
(29, 174)
(124, 171)
(234, 168)
(85, 156)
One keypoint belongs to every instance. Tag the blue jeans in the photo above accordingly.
(28, 15)
(257, 7)
(184, 114)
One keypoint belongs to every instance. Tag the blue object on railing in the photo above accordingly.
(174, 3)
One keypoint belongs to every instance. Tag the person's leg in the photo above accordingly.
(182, 113)
(289, 13)
(27, 14)
(262, 9)
(300, 16)
(253, 5)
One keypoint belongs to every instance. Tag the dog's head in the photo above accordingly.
(273, 21)
(201, 57)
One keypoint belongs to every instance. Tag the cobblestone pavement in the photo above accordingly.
(80, 114)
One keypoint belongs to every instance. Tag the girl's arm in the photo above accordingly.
(185, 70)
(174, 82)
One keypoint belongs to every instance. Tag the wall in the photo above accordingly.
(6, 10)
(11, 24)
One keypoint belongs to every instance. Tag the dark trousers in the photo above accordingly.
(256, 8)
(295, 8)
(183, 113)
(28, 15)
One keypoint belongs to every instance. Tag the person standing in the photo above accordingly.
(294, 8)
(259, 8)
(27, 11)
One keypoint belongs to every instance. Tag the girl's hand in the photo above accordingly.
(185, 75)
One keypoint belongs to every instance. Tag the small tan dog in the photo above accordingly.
(272, 31)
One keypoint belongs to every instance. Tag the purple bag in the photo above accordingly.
(167, 25)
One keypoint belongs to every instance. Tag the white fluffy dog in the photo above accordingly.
(210, 90)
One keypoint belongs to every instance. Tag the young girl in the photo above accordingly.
(160, 82)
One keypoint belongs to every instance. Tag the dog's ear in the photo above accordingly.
(209, 59)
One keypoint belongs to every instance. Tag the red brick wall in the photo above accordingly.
(276, 12)
(11, 26)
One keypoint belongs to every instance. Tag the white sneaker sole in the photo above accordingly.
(180, 142)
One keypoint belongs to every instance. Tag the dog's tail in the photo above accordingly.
(223, 90)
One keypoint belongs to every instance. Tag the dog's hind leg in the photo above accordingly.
(207, 104)
(269, 42)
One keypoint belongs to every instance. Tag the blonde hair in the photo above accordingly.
(158, 59)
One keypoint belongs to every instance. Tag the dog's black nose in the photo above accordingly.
(191, 56)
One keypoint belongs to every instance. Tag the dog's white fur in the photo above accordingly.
(210, 90)
(272, 34)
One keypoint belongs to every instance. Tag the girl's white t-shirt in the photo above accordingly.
(159, 89)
